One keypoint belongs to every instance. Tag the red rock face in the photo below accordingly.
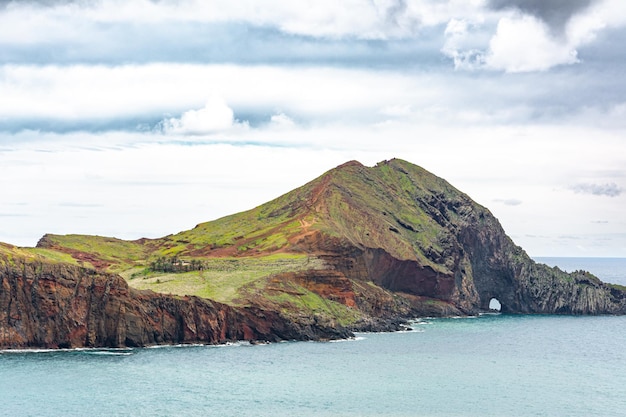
(332, 285)
(61, 306)
(378, 266)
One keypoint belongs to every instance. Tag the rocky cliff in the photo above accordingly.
(424, 238)
(63, 306)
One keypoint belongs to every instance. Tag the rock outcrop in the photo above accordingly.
(413, 234)
(49, 305)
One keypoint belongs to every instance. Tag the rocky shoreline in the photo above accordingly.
(59, 306)
(45, 305)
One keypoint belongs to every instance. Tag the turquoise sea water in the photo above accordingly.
(493, 365)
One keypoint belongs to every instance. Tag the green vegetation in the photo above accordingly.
(174, 264)
(395, 205)
(294, 300)
(118, 254)
(57, 257)
(9, 253)
(618, 287)
(221, 278)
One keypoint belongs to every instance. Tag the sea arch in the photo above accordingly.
(495, 304)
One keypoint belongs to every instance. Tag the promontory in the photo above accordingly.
(359, 248)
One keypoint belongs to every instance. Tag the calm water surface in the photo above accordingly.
(494, 365)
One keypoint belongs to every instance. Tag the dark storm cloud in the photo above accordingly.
(555, 13)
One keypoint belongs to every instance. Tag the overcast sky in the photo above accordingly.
(143, 118)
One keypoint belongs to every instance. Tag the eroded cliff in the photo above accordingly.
(413, 234)
(63, 306)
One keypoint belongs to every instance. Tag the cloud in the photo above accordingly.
(523, 43)
(397, 110)
(215, 116)
(556, 13)
(609, 189)
(531, 35)
(281, 121)
(379, 19)
(136, 98)
(509, 35)
(509, 201)
(465, 43)
(381, 33)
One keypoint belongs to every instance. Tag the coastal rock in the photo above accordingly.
(48, 305)
(415, 236)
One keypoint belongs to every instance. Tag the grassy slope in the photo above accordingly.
(113, 254)
(223, 277)
(10, 253)
(365, 204)
(353, 202)
(290, 298)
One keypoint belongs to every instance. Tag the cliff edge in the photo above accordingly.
(48, 305)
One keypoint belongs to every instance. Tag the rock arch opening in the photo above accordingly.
(495, 305)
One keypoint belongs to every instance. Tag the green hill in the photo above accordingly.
(354, 244)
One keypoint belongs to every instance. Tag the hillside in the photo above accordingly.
(356, 248)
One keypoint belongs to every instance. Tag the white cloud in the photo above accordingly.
(137, 97)
(524, 43)
(215, 116)
(281, 121)
(463, 45)
(397, 110)
(604, 14)
(379, 19)
(521, 42)
(157, 92)
(509, 201)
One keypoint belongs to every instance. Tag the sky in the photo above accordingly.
(145, 118)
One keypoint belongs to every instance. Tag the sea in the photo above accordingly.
(492, 365)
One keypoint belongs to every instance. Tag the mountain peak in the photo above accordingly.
(353, 163)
